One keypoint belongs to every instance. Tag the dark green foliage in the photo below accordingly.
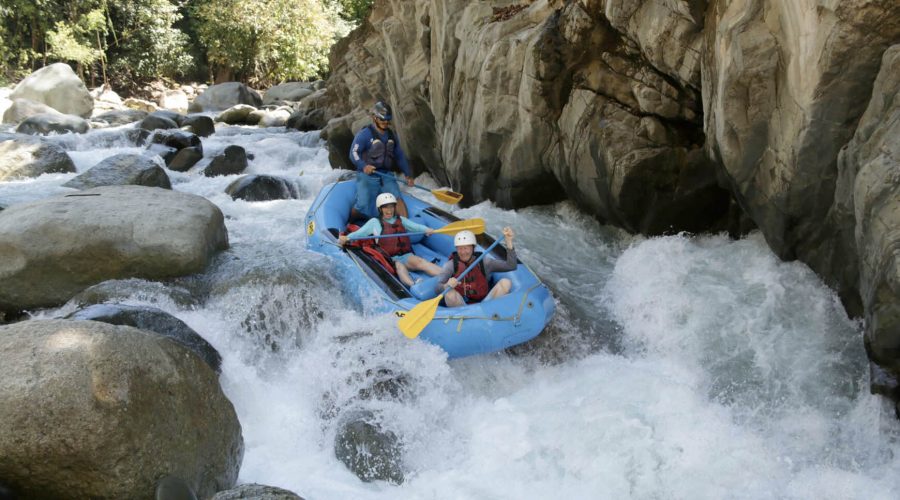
(129, 42)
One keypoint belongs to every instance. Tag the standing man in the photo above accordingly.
(377, 148)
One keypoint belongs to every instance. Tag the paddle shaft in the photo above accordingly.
(472, 265)
(392, 176)
(395, 235)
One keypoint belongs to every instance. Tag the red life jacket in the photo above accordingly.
(394, 246)
(370, 248)
(474, 286)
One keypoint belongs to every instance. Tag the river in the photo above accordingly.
(676, 367)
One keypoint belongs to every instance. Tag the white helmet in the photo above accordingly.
(463, 238)
(384, 199)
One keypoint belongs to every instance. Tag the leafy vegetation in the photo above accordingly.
(128, 42)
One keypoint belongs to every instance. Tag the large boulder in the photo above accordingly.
(868, 200)
(225, 95)
(287, 92)
(91, 410)
(24, 156)
(154, 320)
(48, 123)
(59, 87)
(123, 169)
(54, 248)
(784, 86)
(21, 109)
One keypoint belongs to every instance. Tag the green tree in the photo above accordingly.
(268, 41)
(353, 11)
(145, 43)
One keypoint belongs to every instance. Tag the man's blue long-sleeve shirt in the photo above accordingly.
(363, 141)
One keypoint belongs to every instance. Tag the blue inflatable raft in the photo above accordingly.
(461, 331)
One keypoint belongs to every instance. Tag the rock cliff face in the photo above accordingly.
(656, 116)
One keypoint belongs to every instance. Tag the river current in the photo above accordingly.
(676, 367)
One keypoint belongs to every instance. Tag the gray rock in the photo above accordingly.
(56, 247)
(200, 125)
(225, 95)
(778, 106)
(153, 121)
(47, 123)
(118, 409)
(174, 488)
(121, 117)
(23, 156)
(288, 91)
(262, 188)
(21, 109)
(256, 492)
(306, 121)
(867, 207)
(123, 169)
(274, 118)
(154, 320)
(240, 114)
(370, 452)
(232, 161)
(59, 87)
(177, 139)
(145, 291)
(165, 152)
(185, 159)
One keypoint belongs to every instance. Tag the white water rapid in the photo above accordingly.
(677, 367)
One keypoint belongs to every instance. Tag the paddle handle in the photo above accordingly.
(473, 264)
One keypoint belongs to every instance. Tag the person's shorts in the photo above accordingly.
(402, 258)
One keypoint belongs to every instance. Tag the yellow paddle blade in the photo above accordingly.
(417, 318)
(474, 225)
(447, 196)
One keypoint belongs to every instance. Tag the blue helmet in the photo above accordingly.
(382, 111)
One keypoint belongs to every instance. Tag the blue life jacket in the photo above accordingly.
(379, 154)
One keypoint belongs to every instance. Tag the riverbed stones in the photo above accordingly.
(23, 156)
(53, 248)
(91, 410)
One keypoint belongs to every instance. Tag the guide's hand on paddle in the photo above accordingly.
(342, 239)
(451, 283)
(429, 232)
(368, 169)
